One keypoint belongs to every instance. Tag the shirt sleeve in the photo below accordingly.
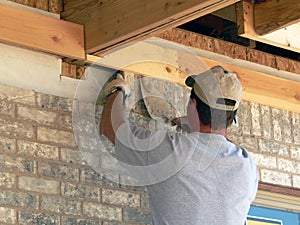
(140, 147)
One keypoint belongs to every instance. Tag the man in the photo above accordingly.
(218, 181)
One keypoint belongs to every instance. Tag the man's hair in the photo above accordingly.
(215, 118)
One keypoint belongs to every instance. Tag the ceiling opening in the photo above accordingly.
(222, 25)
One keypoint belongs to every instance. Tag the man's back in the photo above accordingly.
(215, 187)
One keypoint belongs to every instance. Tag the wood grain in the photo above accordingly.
(39, 32)
(281, 38)
(279, 189)
(110, 23)
(274, 15)
(280, 197)
(258, 87)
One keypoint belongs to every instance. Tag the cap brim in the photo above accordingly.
(190, 81)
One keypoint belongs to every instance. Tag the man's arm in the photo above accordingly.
(112, 115)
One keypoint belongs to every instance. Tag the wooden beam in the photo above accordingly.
(39, 32)
(286, 38)
(273, 15)
(277, 200)
(109, 24)
(258, 87)
(279, 189)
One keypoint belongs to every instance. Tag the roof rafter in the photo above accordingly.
(273, 15)
(109, 24)
(261, 23)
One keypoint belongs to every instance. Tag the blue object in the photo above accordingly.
(273, 216)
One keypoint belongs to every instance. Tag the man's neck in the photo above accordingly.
(207, 129)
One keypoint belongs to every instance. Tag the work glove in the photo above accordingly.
(115, 83)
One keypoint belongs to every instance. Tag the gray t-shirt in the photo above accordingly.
(197, 178)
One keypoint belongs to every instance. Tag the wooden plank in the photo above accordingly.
(110, 23)
(39, 32)
(275, 196)
(273, 15)
(258, 87)
(279, 189)
(279, 201)
(288, 36)
(245, 20)
(227, 13)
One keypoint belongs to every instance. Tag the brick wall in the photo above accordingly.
(43, 179)
(273, 137)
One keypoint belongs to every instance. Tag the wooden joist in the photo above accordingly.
(258, 87)
(109, 24)
(256, 23)
(35, 31)
(269, 16)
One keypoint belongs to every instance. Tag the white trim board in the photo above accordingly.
(34, 71)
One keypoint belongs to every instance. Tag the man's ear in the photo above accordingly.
(195, 109)
(194, 117)
(195, 103)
